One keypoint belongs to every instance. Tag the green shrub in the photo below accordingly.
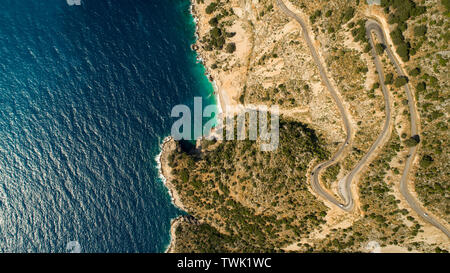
(421, 86)
(359, 33)
(400, 81)
(184, 175)
(215, 32)
(426, 161)
(211, 8)
(415, 72)
(403, 51)
(348, 14)
(230, 34)
(412, 141)
(230, 48)
(446, 4)
(219, 42)
(420, 31)
(214, 21)
(315, 15)
(379, 48)
(397, 36)
(389, 78)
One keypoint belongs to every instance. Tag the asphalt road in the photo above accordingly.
(345, 184)
(315, 181)
(374, 26)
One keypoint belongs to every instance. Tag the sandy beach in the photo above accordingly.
(228, 83)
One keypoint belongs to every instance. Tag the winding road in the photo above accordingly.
(344, 184)
(372, 26)
(315, 181)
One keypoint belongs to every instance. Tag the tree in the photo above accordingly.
(211, 8)
(215, 32)
(348, 14)
(397, 36)
(314, 16)
(230, 34)
(385, 3)
(446, 4)
(400, 81)
(359, 33)
(231, 47)
(426, 161)
(214, 22)
(380, 48)
(412, 141)
(420, 31)
(220, 42)
(389, 78)
(184, 175)
(421, 86)
(415, 72)
(403, 51)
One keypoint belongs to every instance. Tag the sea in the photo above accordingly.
(86, 93)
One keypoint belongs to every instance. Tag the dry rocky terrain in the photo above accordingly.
(252, 201)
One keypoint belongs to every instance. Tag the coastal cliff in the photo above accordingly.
(168, 147)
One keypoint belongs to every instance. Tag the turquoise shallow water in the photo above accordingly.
(85, 99)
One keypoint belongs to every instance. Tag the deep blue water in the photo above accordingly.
(85, 99)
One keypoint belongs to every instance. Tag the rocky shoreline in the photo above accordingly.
(165, 171)
(201, 58)
(169, 143)
(173, 238)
